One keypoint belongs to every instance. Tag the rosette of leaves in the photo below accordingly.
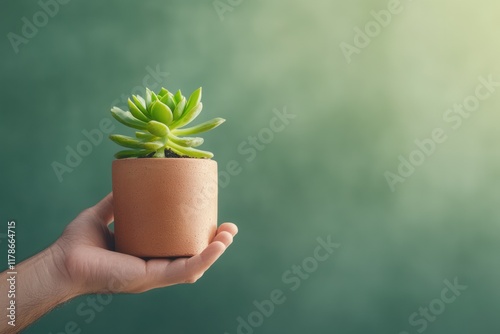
(161, 119)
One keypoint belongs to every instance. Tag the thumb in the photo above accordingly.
(104, 210)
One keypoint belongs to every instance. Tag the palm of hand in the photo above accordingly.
(92, 266)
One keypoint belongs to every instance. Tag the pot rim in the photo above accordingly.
(166, 159)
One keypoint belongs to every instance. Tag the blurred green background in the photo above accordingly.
(323, 175)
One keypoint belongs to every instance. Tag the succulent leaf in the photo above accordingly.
(132, 154)
(160, 118)
(179, 108)
(154, 97)
(140, 103)
(146, 136)
(148, 99)
(186, 141)
(194, 99)
(161, 112)
(178, 96)
(130, 142)
(162, 92)
(136, 112)
(126, 118)
(158, 129)
(203, 127)
(188, 116)
(192, 152)
(168, 99)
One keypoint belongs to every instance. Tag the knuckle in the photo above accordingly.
(90, 212)
(86, 214)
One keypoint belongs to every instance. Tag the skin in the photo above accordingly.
(82, 261)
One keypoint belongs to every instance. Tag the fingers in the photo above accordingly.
(196, 266)
(225, 237)
(164, 272)
(228, 227)
(104, 210)
(225, 233)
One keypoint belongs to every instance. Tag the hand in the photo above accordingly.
(86, 259)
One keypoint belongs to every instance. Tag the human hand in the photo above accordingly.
(85, 257)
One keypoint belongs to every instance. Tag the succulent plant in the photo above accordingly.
(161, 119)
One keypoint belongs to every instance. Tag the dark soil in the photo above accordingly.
(168, 154)
(172, 154)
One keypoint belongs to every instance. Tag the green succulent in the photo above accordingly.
(161, 119)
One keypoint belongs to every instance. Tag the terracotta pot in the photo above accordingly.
(164, 207)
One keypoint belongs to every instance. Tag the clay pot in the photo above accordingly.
(164, 207)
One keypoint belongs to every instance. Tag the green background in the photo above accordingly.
(323, 175)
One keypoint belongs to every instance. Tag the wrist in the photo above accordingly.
(39, 285)
(55, 264)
